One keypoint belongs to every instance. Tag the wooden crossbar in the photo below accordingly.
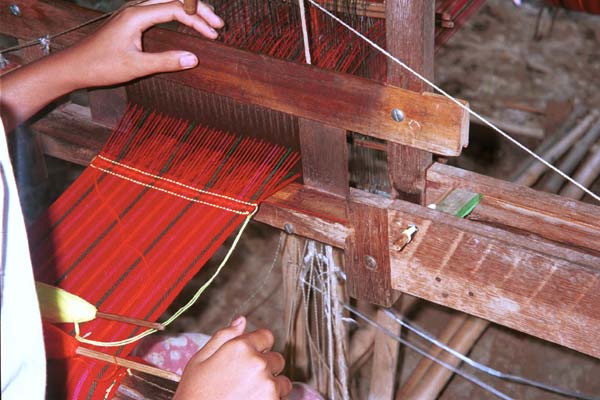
(431, 123)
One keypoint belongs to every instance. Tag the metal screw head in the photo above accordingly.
(397, 115)
(14, 10)
(371, 262)
(288, 228)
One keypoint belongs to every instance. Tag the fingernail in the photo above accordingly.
(188, 60)
(237, 321)
(213, 31)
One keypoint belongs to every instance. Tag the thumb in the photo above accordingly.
(237, 328)
(168, 61)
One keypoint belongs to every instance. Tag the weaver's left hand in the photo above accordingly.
(112, 55)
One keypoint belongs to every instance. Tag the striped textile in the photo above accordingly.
(142, 220)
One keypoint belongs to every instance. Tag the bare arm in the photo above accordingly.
(110, 56)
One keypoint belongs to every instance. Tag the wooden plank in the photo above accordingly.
(532, 286)
(410, 37)
(347, 102)
(324, 157)
(367, 262)
(309, 213)
(519, 208)
(69, 134)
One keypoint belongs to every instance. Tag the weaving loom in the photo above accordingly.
(142, 220)
(253, 83)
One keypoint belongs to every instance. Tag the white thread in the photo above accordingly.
(169, 192)
(174, 181)
(3, 61)
(484, 368)
(304, 32)
(45, 43)
(444, 93)
(467, 376)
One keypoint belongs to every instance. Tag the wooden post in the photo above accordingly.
(324, 157)
(410, 37)
(296, 350)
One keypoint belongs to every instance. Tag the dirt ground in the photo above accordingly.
(493, 61)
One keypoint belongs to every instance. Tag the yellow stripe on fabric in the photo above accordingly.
(174, 182)
(150, 186)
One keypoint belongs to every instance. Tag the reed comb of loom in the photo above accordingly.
(59, 306)
(59, 345)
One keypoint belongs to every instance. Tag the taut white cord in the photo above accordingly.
(484, 368)
(304, 32)
(443, 92)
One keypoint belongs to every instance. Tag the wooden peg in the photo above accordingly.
(190, 6)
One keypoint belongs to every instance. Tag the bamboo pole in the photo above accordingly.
(424, 367)
(553, 135)
(535, 170)
(586, 174)
(128, 320)
(573, 158)
(122, 362)
(436, 378)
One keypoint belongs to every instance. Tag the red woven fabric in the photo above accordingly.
(590, 6)
(122, 238)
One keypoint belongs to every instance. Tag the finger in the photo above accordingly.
(203, 10)
(143, 18)
(221, 337)
(284, 385)
(168, 61)
(262, 340)
(208, 14)
(275, 362)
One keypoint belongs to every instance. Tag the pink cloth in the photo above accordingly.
(172, 353)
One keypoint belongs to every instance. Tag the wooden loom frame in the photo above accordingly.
(542, 251)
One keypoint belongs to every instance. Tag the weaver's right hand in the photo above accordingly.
(235, 365)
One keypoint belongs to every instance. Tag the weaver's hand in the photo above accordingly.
(235, 365)
(112, 55)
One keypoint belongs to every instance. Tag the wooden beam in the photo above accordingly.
(536, 287)
(521, 209)
(431, 122)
